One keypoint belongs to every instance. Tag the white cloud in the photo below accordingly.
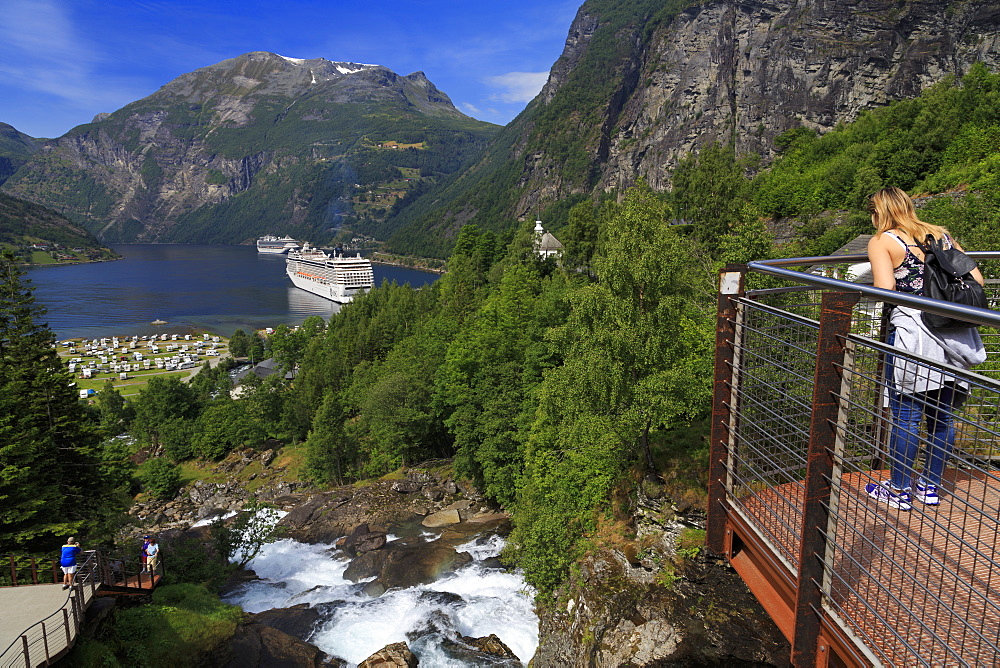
(471, 108)
(42, 50)
(517, 86)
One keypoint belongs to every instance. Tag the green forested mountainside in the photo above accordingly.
(15, 149)
(23, 224)
(565, 129)
(255, 144)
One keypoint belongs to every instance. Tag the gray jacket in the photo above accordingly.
(962, 348)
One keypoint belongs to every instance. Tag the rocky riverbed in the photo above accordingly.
(415, 556)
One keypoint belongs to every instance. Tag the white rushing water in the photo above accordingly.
(476, 600)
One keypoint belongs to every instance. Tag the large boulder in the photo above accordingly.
(442, 518)
(396, 655)
(263, 646)
(362, 540)
(298, 620)
(403, 564)
(486, 651)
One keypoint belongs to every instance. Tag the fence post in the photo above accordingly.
(45, 641)
(730, 288)
(834, 326)
(34, 571)
(13, 570)
(76, 619)
(27, 653)
(69, 638)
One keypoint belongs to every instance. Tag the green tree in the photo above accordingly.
(709, 190)
(223, 426)
(492, 368)
(115, 413)
(328, 451)
(48, 458)
(160, 478)
(637, 347)
(581, 236)
(241, 539)
(239, 343)
(164, 416)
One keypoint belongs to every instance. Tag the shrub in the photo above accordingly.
(160, 478)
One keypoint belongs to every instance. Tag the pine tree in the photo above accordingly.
(46, 444)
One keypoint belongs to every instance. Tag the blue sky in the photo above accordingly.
(63, 61)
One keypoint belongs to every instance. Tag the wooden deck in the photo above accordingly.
(921, 583)
(23, 608)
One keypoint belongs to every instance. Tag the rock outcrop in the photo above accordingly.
(666, 604)
(396, 655)
(747, 71)
(274, 639)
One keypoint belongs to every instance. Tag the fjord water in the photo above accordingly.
(192, 287)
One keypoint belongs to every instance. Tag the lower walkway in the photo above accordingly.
(23, 606)
(40, 622)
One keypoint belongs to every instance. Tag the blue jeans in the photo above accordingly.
(935, 406)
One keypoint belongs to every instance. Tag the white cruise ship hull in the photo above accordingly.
(335, 278)
(336, 293)
(272, 245)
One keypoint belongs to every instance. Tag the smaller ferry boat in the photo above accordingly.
(272, 244)
(337, 277)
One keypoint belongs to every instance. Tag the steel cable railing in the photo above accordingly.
(891, 586)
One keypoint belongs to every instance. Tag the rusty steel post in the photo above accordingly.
(45, 642)
(730, 288)
(34, 571)
(13, 570)
(27, 653)
(69, 638)
(835, 325)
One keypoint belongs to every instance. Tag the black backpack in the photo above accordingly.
(948, 277)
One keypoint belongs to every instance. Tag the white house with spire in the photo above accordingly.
(546, 245)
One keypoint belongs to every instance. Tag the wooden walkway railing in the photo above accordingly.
(40, 622)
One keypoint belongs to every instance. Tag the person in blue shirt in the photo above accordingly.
(67, 560)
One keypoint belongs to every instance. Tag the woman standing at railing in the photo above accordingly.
(914, 390)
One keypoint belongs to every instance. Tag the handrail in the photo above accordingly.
(76, 601)
(980, 316)
(55, 639)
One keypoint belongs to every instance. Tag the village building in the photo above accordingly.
(546, 245)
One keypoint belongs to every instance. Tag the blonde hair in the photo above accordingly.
(892, 209)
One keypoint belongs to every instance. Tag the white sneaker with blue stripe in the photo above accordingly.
(927, 494)
(886, 494)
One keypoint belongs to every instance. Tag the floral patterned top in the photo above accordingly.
(910, 272)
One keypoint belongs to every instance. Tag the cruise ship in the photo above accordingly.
(335, 277)
(272, 244)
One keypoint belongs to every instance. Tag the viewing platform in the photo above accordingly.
(801, 425)
(40, 622)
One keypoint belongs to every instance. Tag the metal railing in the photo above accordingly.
(801, 426)
(51, 638)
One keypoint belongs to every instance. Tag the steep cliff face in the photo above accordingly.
(302, 135)
(643, 83)
(744, 72)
